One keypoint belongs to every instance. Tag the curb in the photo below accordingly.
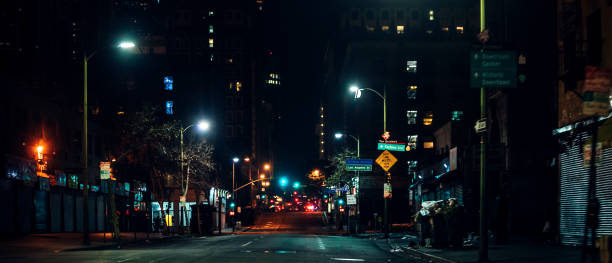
(124, 243)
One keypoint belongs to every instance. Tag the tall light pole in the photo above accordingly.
(202, 126)
(235, 160)
(339, 136)
(85, 175)
(355, 89)
(483, 255)
(357, 92)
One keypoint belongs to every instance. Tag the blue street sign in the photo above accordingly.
(359, 161)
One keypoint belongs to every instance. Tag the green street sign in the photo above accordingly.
(493, 69)
(359, 167)
(400, 147)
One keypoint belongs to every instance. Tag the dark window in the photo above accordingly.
(385, 15)
(400, 14)
(370, 14)
(415, 15)
(355, 14)
(594, 39)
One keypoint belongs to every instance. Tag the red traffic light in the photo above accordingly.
(297, 199)
(294, 193)
(231, 213)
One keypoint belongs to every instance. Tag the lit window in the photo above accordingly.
(322, 142)
(445, 29)
(230, 60)
(238, 86)
(428, 118)
(411, 142)
(457, 115)
(212, 57)
(322, 150)
(411, 115)
(211, 13)
(460, 30)
(211, 29)
(169, 107)
(370, 28)
(168, 83)
(321, 115)
(322, 134)
(321, 124)
(428, 145)
(400, 30)
(385, 28)
(211, 42)
(411, 66)
(411, 92)
(431, 15)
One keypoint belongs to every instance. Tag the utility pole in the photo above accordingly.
(85, 176)
(483, 255)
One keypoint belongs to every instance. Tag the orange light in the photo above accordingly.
(247, 159)
(262, 176)
(316, 172)
(266, 166)
(39, 148)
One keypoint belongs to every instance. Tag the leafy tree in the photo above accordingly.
(339, 175)
(151, 144)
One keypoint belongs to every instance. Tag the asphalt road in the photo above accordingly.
(285, 237)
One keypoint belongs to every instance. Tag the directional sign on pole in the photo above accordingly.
(386, 160)
(358, 164)
(351, 200)
(493, 69)
(400, 147)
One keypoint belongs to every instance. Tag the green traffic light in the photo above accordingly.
(340, 201)
(232, 204)
(296, 185)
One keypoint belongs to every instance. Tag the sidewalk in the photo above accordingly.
(58, 242)
(518, 251)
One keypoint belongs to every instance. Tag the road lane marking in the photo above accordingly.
(348, 259)
(246, 244)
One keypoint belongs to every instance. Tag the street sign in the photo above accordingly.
(359, 161)
(105, 170)
(358, 167)
(387, 190)
(358, 164)
(493, 69)
(481, 125)
(400, 147)
(351, 200)
(386, 135)
(386, 160)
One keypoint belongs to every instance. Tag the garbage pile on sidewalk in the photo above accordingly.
(439, 224)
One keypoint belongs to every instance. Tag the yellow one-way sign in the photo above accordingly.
(386, 160)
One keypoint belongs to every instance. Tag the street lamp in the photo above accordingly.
(339, 136)
(355, 89)
(85, 179)
(202, 125)
(235, 160)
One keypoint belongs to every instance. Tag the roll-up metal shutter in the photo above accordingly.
(573, 193)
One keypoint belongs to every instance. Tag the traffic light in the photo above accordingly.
(340, 201)
(231, 213)
(324, 196)
(283, 181)
(232, 205)
(297, 199)
(263, 196)
(296, 185)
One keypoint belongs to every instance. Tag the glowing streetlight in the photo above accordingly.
(338, 135)
(236, 159)
(262, 176)
(267, 166)
(126, 44)
(203, 125)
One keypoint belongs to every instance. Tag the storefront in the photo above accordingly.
(574, 183)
